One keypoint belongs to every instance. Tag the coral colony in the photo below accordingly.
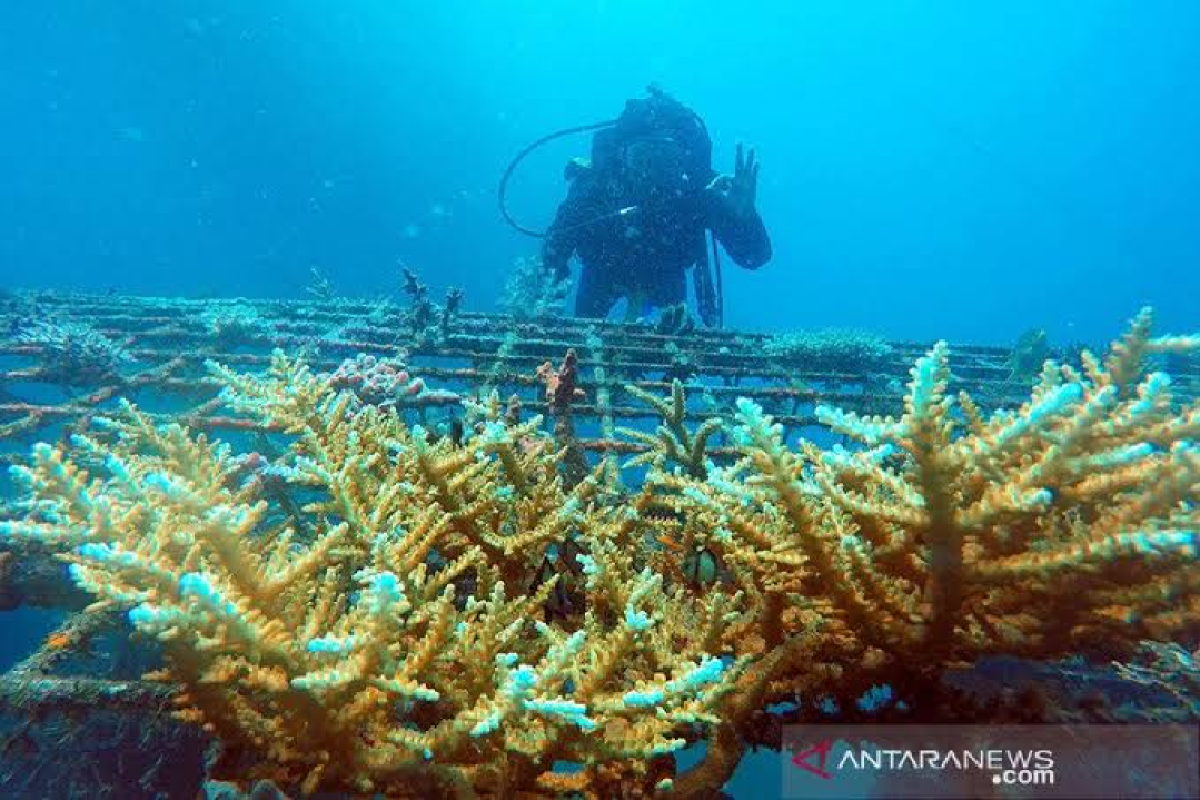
(74, 352)
(451, 616)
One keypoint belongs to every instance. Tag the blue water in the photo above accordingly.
(937, 169)
(930, 169)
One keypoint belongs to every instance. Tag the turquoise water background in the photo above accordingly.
(941, 169)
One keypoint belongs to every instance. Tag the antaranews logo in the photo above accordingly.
(820, 752)
(1038, 762)
(1006, 767)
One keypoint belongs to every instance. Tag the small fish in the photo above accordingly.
(700, 567)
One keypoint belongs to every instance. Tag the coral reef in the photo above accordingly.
(672, 441)
(562, 390)
(396, 644)
(384, 383)
(534, 291)
(408, 626)
(423, 319)
(73, 353)
(1170, 669)
(829, 348)
(234, 324)
(1026, 504)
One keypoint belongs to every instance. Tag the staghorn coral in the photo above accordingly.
(829, 349)
(424, 319)
(234, 324)
(672, 441)
(397, 648)
(1079, 505)
(383, 382)
(533, 290)
(74, 353)
(1070, 523)
(1168, 669)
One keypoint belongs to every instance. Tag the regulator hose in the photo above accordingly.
(502, 190)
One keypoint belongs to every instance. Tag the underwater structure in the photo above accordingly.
(418, 552)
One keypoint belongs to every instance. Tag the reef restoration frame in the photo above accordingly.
(169, 340)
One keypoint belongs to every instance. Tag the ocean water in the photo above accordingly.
(930, 170)
(966, 171)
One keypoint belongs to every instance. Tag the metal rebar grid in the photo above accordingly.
(170, 340)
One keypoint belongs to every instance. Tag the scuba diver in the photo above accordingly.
(637, 212)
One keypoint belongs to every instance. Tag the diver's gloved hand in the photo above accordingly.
(739, 190)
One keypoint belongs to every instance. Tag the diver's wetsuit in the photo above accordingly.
(646, 249)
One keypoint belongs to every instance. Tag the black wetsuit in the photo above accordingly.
(640, 244)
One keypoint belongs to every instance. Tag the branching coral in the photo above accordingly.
(1079, 506)
(1069, 523)
(424, 319)
(1170, 670)
(74, 353)
(399, 641)
(232, 325)
(408, 644)
(829, 349)
(533, 290)
(384, 382)
(673, 442)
